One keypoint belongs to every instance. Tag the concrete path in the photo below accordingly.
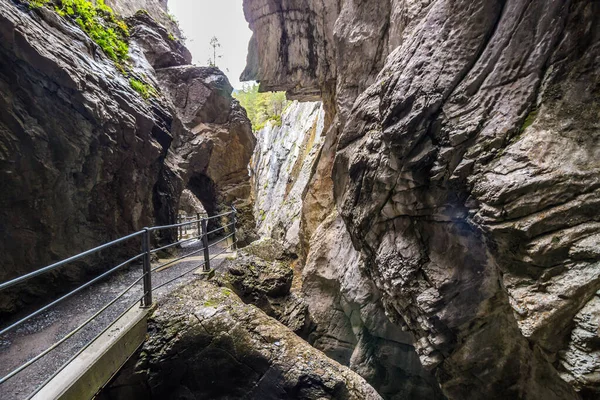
(39, 333)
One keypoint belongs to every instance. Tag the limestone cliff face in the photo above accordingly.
(282, 165)
(462, 152)
(85, 159)
(346, 317)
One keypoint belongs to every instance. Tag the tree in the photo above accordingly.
(261, 107)
(214, 43)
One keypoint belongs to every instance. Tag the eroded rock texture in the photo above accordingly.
(85, 159)
(282, 166)
(462, 153)
(262, 274)
(212, 144)
(205, 343)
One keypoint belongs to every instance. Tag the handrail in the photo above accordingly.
(69, 335)
(145, 255)
(175, 244)
(66, 296)
(160, 228)
(76, 257)
(220, 229)
(221, 215)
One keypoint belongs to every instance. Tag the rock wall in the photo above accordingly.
(462, 154)
(282, 165)
(85, 159)
(346, 317)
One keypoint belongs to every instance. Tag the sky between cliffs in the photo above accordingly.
(203, 19)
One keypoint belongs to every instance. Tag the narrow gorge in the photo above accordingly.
(416, 221)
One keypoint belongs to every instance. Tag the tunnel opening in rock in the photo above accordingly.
(205, 190)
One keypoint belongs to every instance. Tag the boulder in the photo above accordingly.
(261, 274)
(205, 343)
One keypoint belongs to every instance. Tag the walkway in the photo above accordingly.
(42, 331)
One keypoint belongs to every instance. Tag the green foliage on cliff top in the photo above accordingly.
(98, 20)
(261, 107)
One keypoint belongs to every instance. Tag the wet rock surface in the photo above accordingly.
(81, 149)
(462, 154)
(204, 342)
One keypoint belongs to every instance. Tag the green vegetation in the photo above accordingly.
(98, 20)
(173, 18)
(171, 37)
(211, 303)
(262, 107)
(529, 120)
(106, 29)
(214, 43)
(33, 4)
(142, 88)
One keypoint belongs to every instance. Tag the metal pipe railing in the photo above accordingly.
(71, 293)
(52, 267)
(146, 277)
(160, 228)
(177, 259)
(222, 215)
(70, 360)
(70, 334)
(175, 244)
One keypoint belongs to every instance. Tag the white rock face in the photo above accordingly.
(580, 361)
(281, 167)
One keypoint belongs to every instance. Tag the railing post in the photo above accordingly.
(198, 227)
(147, 299)
(179, 228)
(234, 246)
(205, 245)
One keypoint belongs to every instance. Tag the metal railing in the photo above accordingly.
(200, 226)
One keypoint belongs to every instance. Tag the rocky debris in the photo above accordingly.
(465, 140)
(282, 165)
(261, 274)
(86, 159)
(204, 343)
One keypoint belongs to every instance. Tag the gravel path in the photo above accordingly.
(41, 332)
